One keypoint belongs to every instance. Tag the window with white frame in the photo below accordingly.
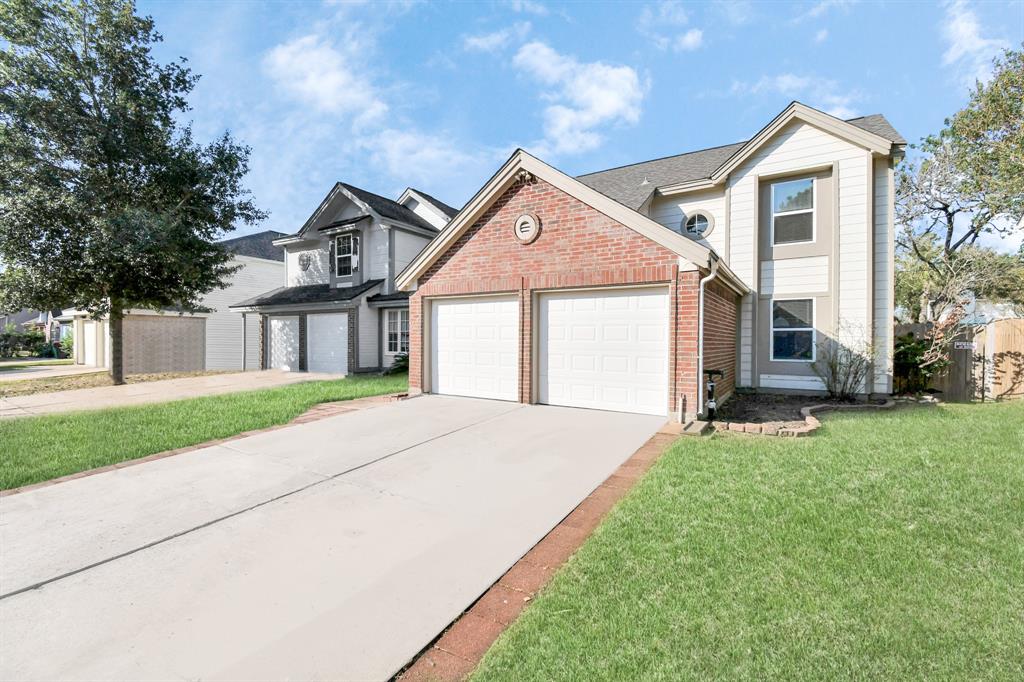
(346, 254)
(398, 331)
(698, 224)
(793, 330)
(793, 211)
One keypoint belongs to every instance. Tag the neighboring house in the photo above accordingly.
(170, 341)
(617, 289)
(46, 321)
(338, 310)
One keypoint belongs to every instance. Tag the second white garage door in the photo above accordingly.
(284, 343)
(605, 350)
(474, 347)
(327, 343)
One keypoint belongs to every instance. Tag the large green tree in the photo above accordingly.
(966, 183)
(107, 203)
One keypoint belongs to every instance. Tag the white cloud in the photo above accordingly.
(662, 24)
(529, 7)
(324, 78)
(821, 36)
(821, 8)
(690, 40)
(584, 97)
(496, 40)
(736, 12)
(967, 51)
(820, 93)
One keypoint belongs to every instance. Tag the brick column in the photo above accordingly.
(303, 362)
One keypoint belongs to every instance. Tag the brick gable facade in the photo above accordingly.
(577, 247)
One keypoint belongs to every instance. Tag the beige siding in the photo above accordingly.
(224, 340)
(673, 210)
(368, 333)
(798, 147)
(319, 269)
(375, 253)
(883, 275)
(795, 276)
(407, 247)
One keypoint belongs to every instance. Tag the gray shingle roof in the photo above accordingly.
(259, 245)
(309, 293)
(632, 184)
(388, 208)
(445, 208)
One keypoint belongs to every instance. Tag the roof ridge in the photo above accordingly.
(662, 158)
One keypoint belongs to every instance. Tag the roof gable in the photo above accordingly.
(633, 184)
(522, 162)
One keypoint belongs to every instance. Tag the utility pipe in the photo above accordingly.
(713, 266)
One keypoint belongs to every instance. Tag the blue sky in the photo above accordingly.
(437, 94)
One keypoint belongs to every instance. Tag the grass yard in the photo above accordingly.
(34, 449)
(888, 546)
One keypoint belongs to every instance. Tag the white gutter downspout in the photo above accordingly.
(713, 265)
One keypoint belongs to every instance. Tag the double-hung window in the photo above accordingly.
(793, 330)
(793, 211)
(398, 331)
(346, 254)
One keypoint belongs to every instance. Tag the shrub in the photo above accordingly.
(843, 364)
(910, 372)
(401, 364)
(67, 346)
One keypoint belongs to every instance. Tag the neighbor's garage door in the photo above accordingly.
(284, 343)
(605, 350)
(474, 347)
(327, 347)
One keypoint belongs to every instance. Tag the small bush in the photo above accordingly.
(844, 365)
(400, 365)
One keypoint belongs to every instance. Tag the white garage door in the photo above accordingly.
(327, 343)
(605, 350)
(89, 342)
(284, 343)
(474, 347)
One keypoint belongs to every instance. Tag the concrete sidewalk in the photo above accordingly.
(336, 549)
(46, 372)
(150, 392)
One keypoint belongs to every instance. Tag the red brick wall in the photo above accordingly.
(577, 247)
(720, 322)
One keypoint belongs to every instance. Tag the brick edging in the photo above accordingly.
(459, 648)
(315, 413)
(810, 425)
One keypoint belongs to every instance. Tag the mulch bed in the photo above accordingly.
(782, 411)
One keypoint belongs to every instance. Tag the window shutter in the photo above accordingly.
(355, 252)
(331, 257)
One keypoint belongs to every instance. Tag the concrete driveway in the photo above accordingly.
(150, 392)
(46, 372)
(333, 550)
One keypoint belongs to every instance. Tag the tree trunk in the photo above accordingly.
(116, 342)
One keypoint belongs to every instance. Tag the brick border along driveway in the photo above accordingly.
(458, 650)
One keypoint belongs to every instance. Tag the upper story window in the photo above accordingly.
(698, 224)
(793, 330)
(793, 211)
(346, 254)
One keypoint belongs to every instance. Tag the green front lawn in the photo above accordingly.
(34, 449)
(888, 546)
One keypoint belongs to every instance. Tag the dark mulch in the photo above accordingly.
(762, 408)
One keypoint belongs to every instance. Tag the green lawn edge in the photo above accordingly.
(888, 546)
(35, 449)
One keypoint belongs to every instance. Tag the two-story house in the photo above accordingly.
(617, 290)
(339, 311)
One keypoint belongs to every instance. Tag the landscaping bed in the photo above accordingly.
(34, 449)
(889, 546)
(775, 413)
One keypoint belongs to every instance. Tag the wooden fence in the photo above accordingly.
(985, 362)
